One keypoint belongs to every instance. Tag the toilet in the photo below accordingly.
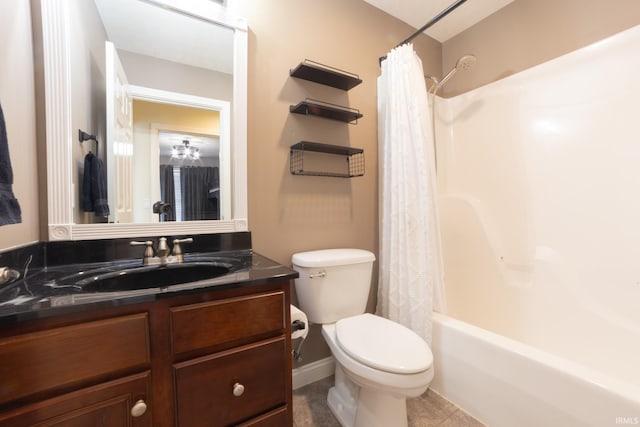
(378, 363)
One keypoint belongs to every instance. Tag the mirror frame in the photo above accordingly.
(61, 194)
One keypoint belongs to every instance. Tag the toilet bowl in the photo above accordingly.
(398, 366)
(379, 363)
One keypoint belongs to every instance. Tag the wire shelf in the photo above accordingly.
(353, 159)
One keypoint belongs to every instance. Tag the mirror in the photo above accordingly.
(75, 98)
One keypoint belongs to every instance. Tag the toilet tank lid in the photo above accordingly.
(332, 257)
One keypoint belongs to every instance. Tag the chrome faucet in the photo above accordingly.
(163, 250)
(8, 275)
(161, 255)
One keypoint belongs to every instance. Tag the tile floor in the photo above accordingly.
(310, 409)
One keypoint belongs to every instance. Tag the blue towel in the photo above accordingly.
(94, 187)
(10, 212)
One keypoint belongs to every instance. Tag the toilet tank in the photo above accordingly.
(333, 283)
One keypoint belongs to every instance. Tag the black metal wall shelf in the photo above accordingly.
(326, 75)
(354, 159)
(326, 110)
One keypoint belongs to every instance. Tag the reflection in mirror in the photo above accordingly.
(189, 177)
(187, 145)
(174, 55)
(156, 112)
(137, 53)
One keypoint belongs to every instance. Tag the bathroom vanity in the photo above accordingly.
(213, 351)
(216, 354)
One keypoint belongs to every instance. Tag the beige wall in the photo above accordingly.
(171, 76)
(529, 32)
(88, 100)
(18, 104)
(88, 76)
(288, 214)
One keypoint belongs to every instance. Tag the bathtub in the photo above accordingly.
(538, 184)
(505, 383)
(523, 344)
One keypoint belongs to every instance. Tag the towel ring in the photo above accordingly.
(84, 136)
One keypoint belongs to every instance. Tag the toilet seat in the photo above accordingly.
(382, 344)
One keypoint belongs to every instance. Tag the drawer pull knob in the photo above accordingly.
(238, 389)
(139, 408)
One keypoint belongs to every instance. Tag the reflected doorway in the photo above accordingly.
(188, 142)
(189, 177)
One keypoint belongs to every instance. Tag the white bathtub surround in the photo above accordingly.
(410, 282)
(540, 184)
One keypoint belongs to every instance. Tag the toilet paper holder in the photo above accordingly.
(299, 330)
(298, 325)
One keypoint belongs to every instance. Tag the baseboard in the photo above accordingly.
(312, 372)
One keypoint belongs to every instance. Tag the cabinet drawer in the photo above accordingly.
(107, 404)
(41, 361)
(199, 326)
(275, 418)
(205, 386)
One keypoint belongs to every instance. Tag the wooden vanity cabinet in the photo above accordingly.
(106, 404)
(80, 370)
(244, 361)
(218, 358)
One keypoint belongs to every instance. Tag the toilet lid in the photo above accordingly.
(382, 344)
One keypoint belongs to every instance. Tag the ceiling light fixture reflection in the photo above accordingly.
(185, 151)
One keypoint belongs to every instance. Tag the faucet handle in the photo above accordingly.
(177, 250)
(148, 251)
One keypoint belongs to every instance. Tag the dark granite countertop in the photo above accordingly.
(45, 291)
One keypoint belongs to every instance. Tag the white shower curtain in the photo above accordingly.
(410, 283)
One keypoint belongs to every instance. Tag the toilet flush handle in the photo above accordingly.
(320, 274)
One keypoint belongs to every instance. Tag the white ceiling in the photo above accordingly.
(418, 12)
(147, 29)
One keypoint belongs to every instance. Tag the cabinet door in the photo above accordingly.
(232, 386)
(107, 404)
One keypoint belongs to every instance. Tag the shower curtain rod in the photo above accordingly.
(437, 18)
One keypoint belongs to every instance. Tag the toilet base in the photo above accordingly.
(344, 413)
(376, 409)
(343, 398)
(356, 406)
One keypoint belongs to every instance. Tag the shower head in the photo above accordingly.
(463, 63)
